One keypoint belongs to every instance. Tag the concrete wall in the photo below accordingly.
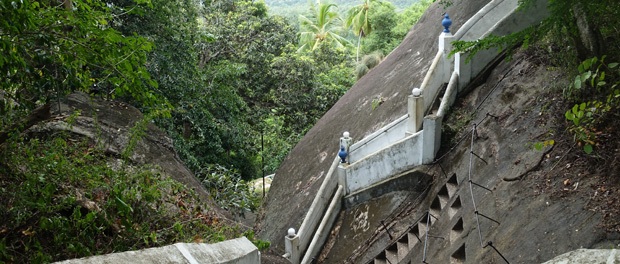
(385, 136)
(391, 150)
(234, 251)
(499, 17)
(322, 232)
(302, 246)
(319, 204)
(381, 165)
(413, 181)
(606, 256)
(433, 81)
(479, 24)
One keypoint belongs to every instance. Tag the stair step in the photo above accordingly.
(403, 247)
(381, 258)
(414, 239)
(391, 253)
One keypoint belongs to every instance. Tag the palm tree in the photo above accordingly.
(320, 26)
(357, 19)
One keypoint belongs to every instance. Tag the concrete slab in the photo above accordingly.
(237, 251)
(585, 256)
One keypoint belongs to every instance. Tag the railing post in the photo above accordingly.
(445, 45)
(345, 143)
(291, 247)
(431, 138)
(342, 177)
(415, 110)
(463, 69)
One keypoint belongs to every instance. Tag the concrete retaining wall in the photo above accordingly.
(234, 251)
(387, 135)
(389, 161)
(499, 17)
(435, 79)
(413, 181)
(581, 256)
(393, 148)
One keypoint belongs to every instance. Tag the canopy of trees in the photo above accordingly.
(227, 81)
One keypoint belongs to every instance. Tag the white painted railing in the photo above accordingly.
(303, 244)
(376, 141)
(401, 144)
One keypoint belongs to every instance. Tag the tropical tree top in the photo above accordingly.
(358, 18)
(321, 25)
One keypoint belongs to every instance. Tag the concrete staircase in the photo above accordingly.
(402, 246)
(402, 144)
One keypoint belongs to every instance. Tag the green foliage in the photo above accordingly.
(47, 51)
(228, 189)
(64, 198)
(383, 18)
(368, 62)
(590, 80)
(358, 18)
(583, 27)
(321, 25)
(507, 43)
(376, 102)
(276, 140)
(598, 82)
(260, 244)
(409, 17)
(541, 145)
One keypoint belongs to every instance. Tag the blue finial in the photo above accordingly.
(342, 154)
(446, 22)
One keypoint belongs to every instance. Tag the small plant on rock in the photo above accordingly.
(591, 83)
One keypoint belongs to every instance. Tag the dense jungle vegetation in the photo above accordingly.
(233, 85)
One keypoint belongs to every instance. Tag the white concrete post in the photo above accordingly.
(291, 247)
(415, 110)
(445, 45)
(463, 69)
(342, 178)
(431, 138)
(345, 141)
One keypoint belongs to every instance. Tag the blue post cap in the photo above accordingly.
(446, 23)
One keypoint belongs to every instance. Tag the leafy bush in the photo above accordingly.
(228, 189)
(64, 198)
(591, 83)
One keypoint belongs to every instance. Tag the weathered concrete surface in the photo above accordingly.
(301, 173)
(385, 163)
(411, 181)
(235, 251)
(534, 225)
(588, 256)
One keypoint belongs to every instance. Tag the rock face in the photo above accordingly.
(508, 210)
(110, 124)
(522, 205)
(302, 172)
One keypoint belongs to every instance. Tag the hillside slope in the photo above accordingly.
(546, 201)
(533, 204)
(301, 173)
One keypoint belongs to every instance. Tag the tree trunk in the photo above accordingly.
(68, 5)
(589, 42)
(359, 39)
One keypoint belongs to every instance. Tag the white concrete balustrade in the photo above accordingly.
(414, 138)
